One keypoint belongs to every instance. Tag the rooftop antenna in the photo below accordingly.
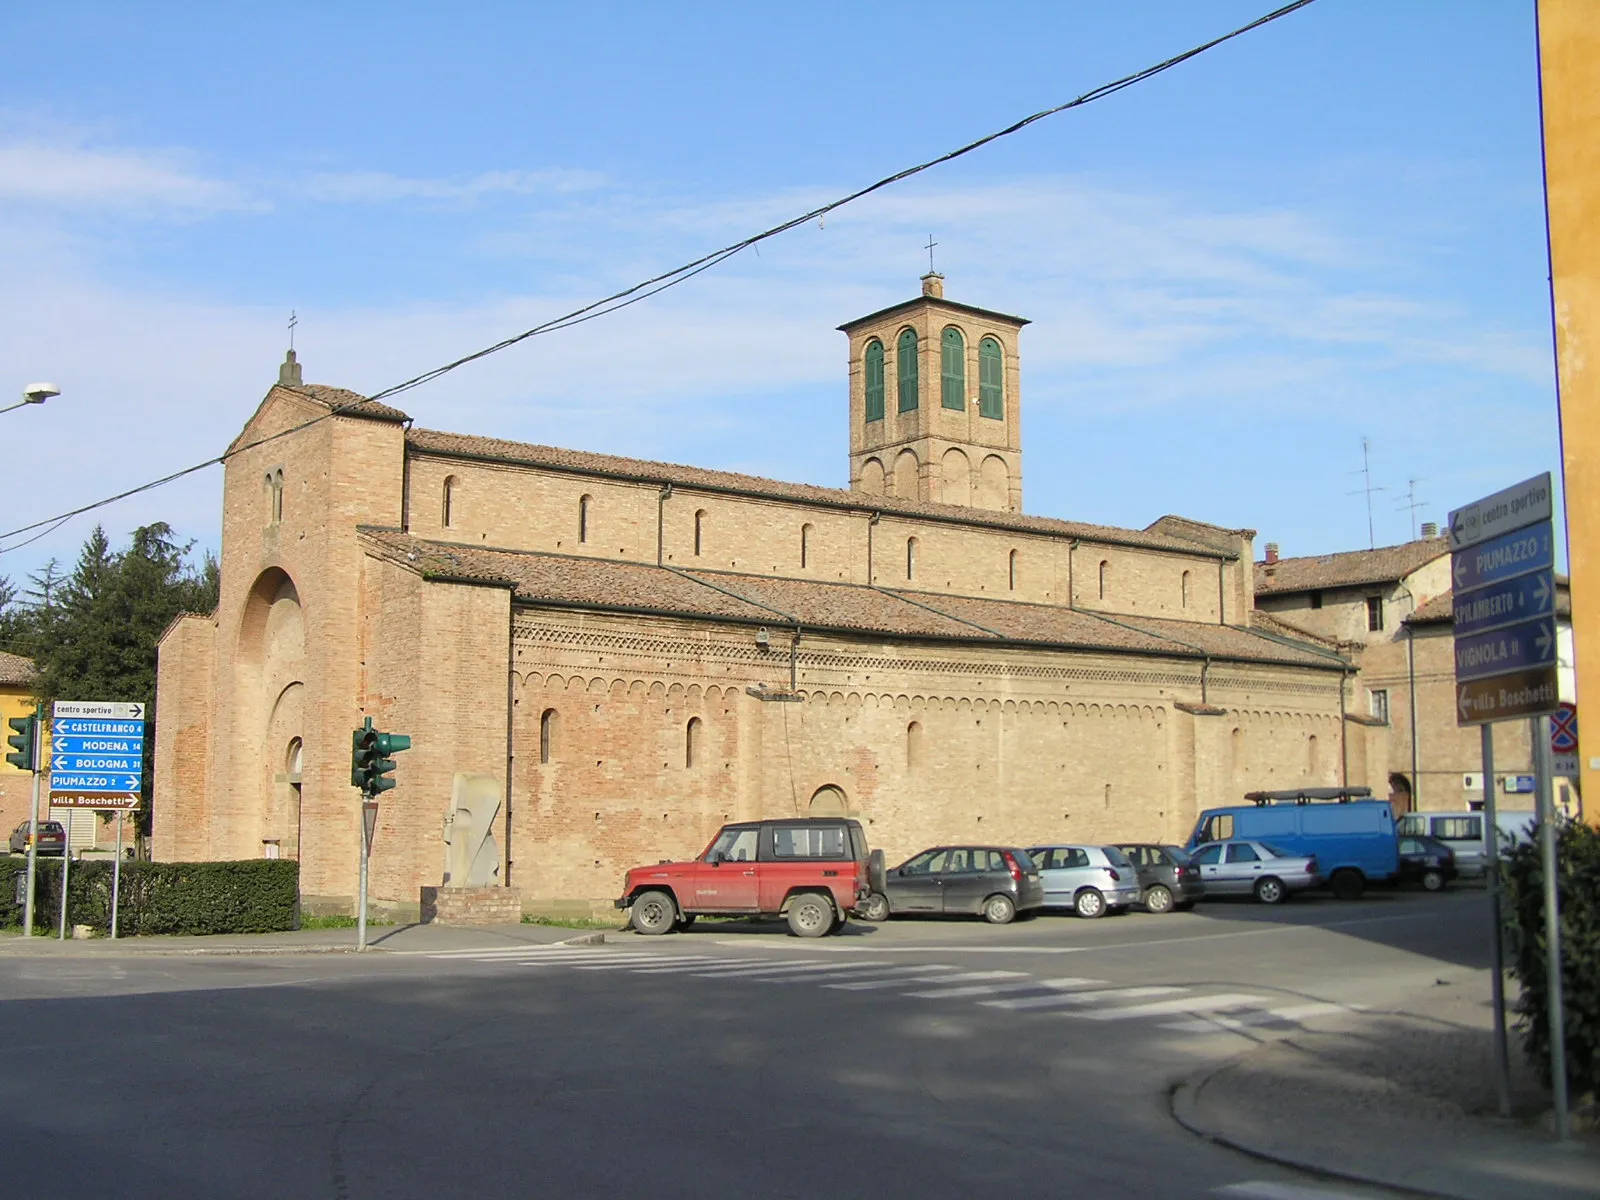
(929, 248)
(1367, 488)
(1413, 503)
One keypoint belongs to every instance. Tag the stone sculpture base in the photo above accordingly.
(471, 906)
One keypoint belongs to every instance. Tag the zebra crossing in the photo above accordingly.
(1172, 1008)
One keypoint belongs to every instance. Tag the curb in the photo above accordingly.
(583, 939)
(1182, 1103)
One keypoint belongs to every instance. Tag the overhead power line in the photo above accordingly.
(660, 283)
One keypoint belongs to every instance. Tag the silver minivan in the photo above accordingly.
(1090, 880)
(1463, 832)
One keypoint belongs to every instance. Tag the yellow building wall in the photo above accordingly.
(15, 786)
(1569, 77)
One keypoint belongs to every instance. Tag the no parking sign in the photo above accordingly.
(1564, 739)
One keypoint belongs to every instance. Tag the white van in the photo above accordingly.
(1463, 833)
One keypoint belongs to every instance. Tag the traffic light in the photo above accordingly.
(370, 763)
(23, 742)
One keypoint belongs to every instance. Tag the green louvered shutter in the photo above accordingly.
(905, 352)
(991, 380)
(953, 369)
(874, 370)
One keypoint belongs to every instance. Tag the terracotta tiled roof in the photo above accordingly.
(1441, 609)
(429, 441)
(607, 584)
(1274, 623)
(1353, 568)
(349, 403)
(14, 669)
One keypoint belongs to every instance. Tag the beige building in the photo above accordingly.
(601, 659)
(1390, 611)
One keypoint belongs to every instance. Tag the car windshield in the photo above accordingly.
(1275, 852)
(1024, 860)
(1177, 854)
(1116, 856)
(737, 843)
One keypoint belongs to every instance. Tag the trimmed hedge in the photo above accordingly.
(1578, 885)
(258, 895)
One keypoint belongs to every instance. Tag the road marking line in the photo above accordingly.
(636, 961)
(511, 951)
(746, 971)
(1162, 1008)
(1258, 1189)
(695, 965)
(1218, 1022)
(962, 977)
(931, 948)
(997, 989)
(1063, 999)
(875, 972)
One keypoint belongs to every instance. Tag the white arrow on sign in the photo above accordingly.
(1460, 572)
(1541, 590)
(1462, 705)
(1543, 638)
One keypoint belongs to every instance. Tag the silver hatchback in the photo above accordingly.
(1259, 869)
(1090, 880)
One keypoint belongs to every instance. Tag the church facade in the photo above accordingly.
(600, 660)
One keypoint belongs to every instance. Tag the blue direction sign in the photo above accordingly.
(81, 743)
(93, 781)
(88, 726)
(60, 762)
(1520, 552)
(1506, 603)
(1514, 648)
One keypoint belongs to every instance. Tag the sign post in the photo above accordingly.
(1502, 567)
(369, 823)
(97, 762)
(33, 824)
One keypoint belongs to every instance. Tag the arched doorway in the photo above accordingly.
(829, 801)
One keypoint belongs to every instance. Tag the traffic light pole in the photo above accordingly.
(33, 835)
(361, 904)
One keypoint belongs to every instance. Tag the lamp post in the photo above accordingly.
(34, 393)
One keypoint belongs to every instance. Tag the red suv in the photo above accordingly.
(812, 871)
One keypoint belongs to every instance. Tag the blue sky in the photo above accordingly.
(1329, 229)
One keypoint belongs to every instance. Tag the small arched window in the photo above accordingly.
(448, 506)
(691, 743)
(699, 529)
(913, 745)
(294, 759)
(911, 558)
(274, 497)
(1313, 756)
(583, 517)
(953, 369)
(805, 546)
(1186, 589)
(905, 353)
(1105, 577)
(872, 366)
(549, 730)
(991, 380)
(1011, 571)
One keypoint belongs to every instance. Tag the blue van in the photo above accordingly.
(1352, 835)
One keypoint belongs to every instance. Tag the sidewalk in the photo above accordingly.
(1397, 1099)
(304, 941)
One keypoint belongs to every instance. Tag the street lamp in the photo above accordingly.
(34, 393)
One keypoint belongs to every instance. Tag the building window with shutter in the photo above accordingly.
(872, 363)
(1379, 703)
(991, 380)
(1375, 613)
(953, 369)
(905, 353)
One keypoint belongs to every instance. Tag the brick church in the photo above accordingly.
(602, 659)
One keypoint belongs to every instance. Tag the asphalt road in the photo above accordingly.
(919, 1058)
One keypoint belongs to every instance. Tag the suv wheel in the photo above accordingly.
(653, 913)
(874, 908)
(999, 910)
(1271, 891)
(1158, 899)
(1089, 904)
(810, 916)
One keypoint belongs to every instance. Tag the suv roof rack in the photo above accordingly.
(1342, 795)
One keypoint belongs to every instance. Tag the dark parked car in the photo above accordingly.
(52, 838)
(1427, 861)
(1167, 876)
(996, 882)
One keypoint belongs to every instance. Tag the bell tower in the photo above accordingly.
(935, 402)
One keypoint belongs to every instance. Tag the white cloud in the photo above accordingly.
(81, 177)
(380, 187)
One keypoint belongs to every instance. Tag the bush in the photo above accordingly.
(254, 896)
(1578, 885)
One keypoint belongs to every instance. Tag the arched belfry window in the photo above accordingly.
(872, 367)
(584, 504)
(991, 380)
(805, 546)
(691, 743)
(549, 730)
(911, 558)
(1186, 589)
(448, 505)
(274, 496)
(952, 369)
(1105, 577)
(905, 353)
(699, 530)
(1011, 576)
